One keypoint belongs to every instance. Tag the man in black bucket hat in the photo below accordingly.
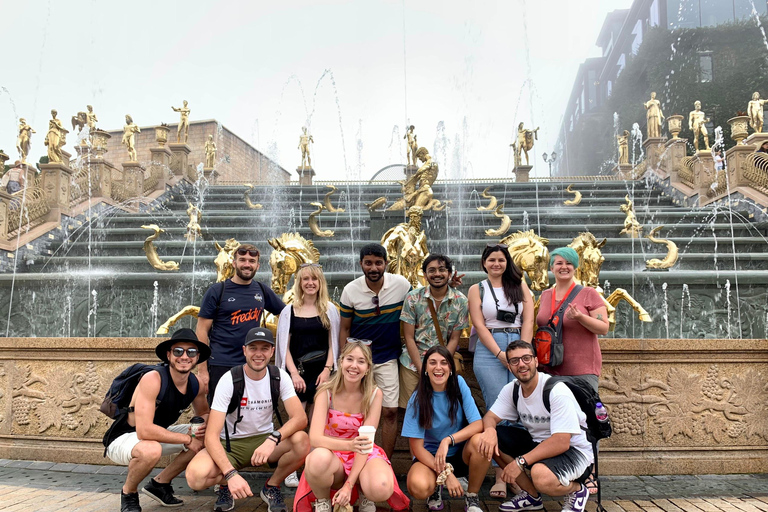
(145, 430)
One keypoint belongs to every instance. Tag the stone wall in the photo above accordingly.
(236, 159)
(678, 406)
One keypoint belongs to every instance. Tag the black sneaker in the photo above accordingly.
(224, 500)
(129, 502)
(162, 493)
(273, 497)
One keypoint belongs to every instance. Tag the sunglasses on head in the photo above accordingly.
(375, 300)
(362, 342)
(178, 352)
(250, 252)
(305, 265)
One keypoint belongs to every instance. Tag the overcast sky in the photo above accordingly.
(464, 73)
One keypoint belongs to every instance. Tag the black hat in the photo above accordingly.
(183, 334)
(259, 334)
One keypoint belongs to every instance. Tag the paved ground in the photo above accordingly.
(46, 487)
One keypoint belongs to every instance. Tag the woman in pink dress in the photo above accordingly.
(339, 463)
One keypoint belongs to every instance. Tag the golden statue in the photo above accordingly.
(304, 141)
(417, 189)
(183, 122)
(631, 226)
(129, 137)
(654, 117)
(193, 226)
(406, 246)
(524, 143)
(79, 121)
(755, 112)
(210, 153)
(224, 259)
(506, 222)
(250, 204)
(670, 259)
(492, 205)
(529, 252)
(151, 252)
(23, 140)
(623, 147)
(327, 200)
(377, 203)
(55, 138)
(697, 124)
(313, 222)
(91, 119)
(576, 196)
(588, 274)
(411, 146)
(291, 250)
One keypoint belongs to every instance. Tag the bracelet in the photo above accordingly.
(497, 354)
(330, 368)
(350, 483)
(230, 474)
(453, 441)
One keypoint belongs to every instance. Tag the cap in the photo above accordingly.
(259, 334)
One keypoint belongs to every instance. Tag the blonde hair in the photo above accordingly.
(336, 383)
(322, 292)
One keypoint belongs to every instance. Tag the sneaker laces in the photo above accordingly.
(274, 494)
(224, 493)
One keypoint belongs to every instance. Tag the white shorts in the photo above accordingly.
(388, 379)
(119, 451)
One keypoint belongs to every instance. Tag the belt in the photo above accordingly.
(511, 330)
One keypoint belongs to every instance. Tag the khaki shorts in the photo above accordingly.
(409, 379)
(386, 377)
(242, 450)
(119, 450)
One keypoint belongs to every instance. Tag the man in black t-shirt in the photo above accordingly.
(226, 315)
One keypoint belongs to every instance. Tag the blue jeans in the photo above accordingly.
(489, 371)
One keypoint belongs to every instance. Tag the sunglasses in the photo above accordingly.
(492, 246)
(250, 252)
(375, 300)
(305, 265)
(178, 352)
(362, 342)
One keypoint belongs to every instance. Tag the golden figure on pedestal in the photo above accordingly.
(506, 222)
(91, 119)
(55, 138)
(313, 222)
(631, 226)
(194, 230)
(151, 252)
(250, 204)
(327, 200)
(210, 152)
(417, 189)
(411, 146)
(79, 121)
(697, 123)
(492, 205)
(654, 117)
(755, 112)
(672, 253)
(623, 147)
(576, 196)
(304, 141)
(406, 246)
(23, 140)
(183, 122)
(525, 139)
(129, 137)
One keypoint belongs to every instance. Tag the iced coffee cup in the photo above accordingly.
(369, 432)
(194, 425)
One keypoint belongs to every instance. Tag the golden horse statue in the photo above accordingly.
(492, 205)
(327, 200)
(588, 274)
(291, 250)
(506, 222)
(314, 224)
(151, 252)
(250, 204)
(672, 253)
(529, 252)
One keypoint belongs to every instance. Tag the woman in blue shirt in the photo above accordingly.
(442, 422)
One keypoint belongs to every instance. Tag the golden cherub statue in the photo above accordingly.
(632, 228)
(654, 116)
(193, 226)
(129, 137)
(183, 122)
(524, 143)
(55, 138)
(210, 152)
(304, 140)
(411, 146)
(91, 118)
(623, 147)
(697, 123)
(755, 112)
(23, 140)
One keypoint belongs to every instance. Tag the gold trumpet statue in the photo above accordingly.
(406, 246)
(250, 204)
(632, 228)
(327, 200)
(670, 259)
(506, 222)
(313, 221)
(151, 252)
(379, 202)
(193, 226)
(576, 198)
(492, 205)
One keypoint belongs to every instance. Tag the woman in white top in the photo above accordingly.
(504, 314)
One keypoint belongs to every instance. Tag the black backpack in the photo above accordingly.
(238, 389)
(586, 397)
(120, 392)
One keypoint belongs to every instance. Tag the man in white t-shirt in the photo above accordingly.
(253, 441)
(552, 444)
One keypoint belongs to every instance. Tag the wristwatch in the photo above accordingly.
(521, 462)
(277, 436)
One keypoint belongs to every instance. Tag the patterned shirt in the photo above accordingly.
(452, 315)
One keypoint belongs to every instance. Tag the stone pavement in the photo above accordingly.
(30, 486)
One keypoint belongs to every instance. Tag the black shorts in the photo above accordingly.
(570, 466)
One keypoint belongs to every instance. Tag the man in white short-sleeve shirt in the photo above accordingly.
(253, 441)
(553, 445)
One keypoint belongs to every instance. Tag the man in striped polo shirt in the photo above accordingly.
(370, 310)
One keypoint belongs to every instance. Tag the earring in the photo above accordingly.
(450, 373)
(425, 372)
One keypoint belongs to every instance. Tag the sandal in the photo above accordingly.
(591, 484)
(499, 490)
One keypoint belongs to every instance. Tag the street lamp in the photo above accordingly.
(549, 159)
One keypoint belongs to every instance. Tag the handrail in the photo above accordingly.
(29, 214)
(756, 171)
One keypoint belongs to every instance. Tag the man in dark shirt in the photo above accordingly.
(229, 310)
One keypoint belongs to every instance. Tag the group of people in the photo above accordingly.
(347, 369)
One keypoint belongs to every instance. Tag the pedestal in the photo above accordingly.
(756, 140)
(161, 159)
(703, 174)
(623, 171)
(211, 175)
(410, 170)
(305, 175)
(434, 224)
(5, 200)
(653, 149)
(522, 172)
(55, 179)
(671, 159)
(3, 158)
(179, 158)
(133, 179)
(736, 164)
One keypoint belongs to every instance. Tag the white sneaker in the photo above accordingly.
(464, 483)
(366, 505)
(292, 480)
(323, 505)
